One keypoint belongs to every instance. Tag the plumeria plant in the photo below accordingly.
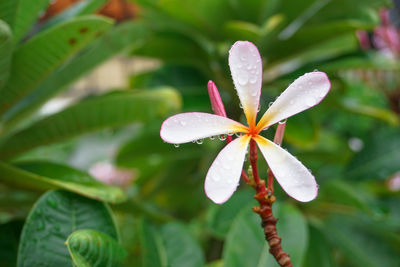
(224, 174)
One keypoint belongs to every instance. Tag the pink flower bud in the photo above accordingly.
(215, 98)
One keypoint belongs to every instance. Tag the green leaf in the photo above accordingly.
(36, 59)
(80, 8)
(319, 253)
(47, 175)
(221, 217)
(358, 244)
(90, 248)
(117, 39)
(170, 246)
(21, 14)
(246, 245)
(6, 46)
(9, 233)
(53, 218)
(379, 158)
(111, 110)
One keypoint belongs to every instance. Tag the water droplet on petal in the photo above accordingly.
(222, 137)
(243, 78)
(310, 101)
(253, 79)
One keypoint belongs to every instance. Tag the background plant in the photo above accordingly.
(350, 143)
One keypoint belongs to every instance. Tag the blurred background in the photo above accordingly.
(85, 86)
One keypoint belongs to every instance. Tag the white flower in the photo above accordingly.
(224, 174)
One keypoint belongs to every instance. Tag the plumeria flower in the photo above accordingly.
(224, 174)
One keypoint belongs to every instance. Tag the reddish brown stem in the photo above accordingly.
(265, 198)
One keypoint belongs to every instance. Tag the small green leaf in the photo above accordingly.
(21, 15)
(34, 60)
(47, 175)
(90, 248)
(53, 218)
(107, 111)
(6, 46)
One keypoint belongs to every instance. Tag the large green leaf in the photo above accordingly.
(246, 245)
(36, 59)
(360, 246)
(100, 112)
(122, 36)
(90, 248)
(21, 14)
(221, 217)
(319, 253)
(6, 47)
(53, 218)
(170, 246)
(379, 158)
(47, 175)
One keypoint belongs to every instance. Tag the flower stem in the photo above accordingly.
(266, 198)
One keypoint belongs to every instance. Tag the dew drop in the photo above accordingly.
(199, 142)
(253, 79)
(243, 78)
(222, 137)
(310, 101)
(176, 145)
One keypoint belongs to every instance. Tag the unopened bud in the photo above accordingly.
(215, 98)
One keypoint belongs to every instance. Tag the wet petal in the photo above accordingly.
(304, 93)
(224, 174)
(191, 126)
(291, 174)
(246, 69)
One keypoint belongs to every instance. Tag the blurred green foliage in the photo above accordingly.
(350, 141)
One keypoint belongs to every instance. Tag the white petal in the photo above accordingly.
(224, 174)
(246, 69)
(291, 174)
(304, 93)
(191, 126)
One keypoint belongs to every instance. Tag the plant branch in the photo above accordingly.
(266, 198)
